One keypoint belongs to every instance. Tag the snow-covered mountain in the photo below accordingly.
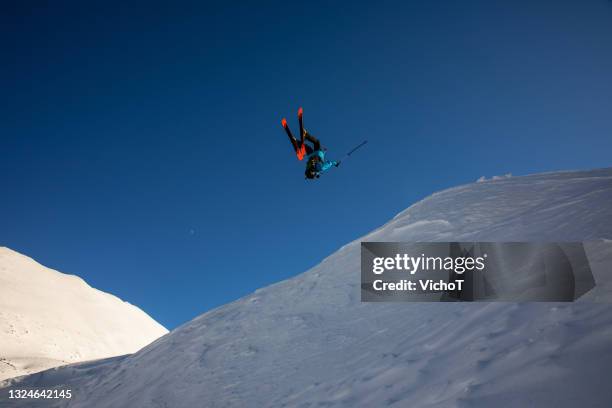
(48, 318)
(310, 342)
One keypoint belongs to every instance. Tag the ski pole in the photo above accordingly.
(354, 148)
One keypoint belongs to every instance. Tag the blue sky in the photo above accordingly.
(142, 146)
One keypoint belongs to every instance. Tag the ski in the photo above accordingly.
(302, 133)
(300, 149)
(291, 137)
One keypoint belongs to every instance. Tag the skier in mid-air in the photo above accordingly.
(315, 155)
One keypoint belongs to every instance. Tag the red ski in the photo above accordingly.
(298, 146)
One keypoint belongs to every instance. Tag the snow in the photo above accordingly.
(310, 342)
(48, 319)
(482, 179)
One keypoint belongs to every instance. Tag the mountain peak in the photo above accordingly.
(48, 318)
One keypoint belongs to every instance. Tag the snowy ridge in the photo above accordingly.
(310, 342)
(48, 318)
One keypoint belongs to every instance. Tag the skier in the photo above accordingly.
(315, 155)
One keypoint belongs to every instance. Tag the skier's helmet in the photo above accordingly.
(311, 173)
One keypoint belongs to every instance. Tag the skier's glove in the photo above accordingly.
(337, 163)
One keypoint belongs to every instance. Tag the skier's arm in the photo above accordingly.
(328, 164)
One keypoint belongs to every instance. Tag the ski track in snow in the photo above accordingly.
(310, 342)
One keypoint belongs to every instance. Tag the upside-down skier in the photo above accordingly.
(315, 154)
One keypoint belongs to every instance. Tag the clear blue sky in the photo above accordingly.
(142, 146)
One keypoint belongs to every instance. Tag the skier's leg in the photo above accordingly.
(313, 140)
(309, 149)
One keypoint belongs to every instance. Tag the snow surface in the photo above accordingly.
(310, 342)
(48, 319)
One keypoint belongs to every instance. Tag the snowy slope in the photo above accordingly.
(48, 318)
(309, 342)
